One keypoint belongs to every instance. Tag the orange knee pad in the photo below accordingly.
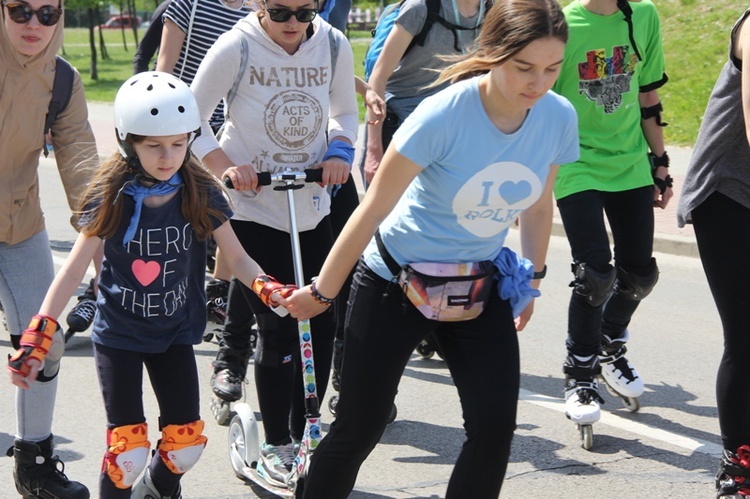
(182, 445)
(127, 454)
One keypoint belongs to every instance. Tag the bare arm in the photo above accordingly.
(393, 50)
(742, 49)
(70, 275)
(655, 137)
(397, 173)
(536, 227)
(239, 262)
(172, 38)
(375, 104)
(62, 288)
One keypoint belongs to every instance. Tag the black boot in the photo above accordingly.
(230, 368)
(39, 474)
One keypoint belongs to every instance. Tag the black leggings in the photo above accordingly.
(631, 217)
(482, 356)
(278, 373)
(722, 229)
(174, 379)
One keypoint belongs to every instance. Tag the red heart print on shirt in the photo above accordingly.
(145, 272)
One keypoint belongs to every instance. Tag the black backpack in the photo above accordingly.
(62, 89)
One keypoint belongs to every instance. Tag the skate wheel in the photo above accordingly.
(207, 337)
(333, 402)
(587, 436)
(69, 334)
(220, 410)
(632, 404)
(393, 414)
(237, 447)
(425, 351)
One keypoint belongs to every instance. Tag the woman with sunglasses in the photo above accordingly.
(32, 33)
(294, 108)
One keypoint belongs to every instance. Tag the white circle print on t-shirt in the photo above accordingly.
(491, 200)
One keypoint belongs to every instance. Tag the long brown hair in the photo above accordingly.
(509, 26)
(101, 207)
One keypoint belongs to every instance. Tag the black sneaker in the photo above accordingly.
(82, 315)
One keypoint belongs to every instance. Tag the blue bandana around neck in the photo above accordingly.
(141, 192)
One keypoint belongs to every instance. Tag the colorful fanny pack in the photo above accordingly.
(445, 292)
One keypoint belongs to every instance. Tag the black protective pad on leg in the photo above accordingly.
(592, 285)
(637, 284)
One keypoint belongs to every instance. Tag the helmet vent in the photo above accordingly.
(154, 111)
(181, 109)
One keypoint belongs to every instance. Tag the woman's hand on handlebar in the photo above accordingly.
(243, 177)
(301, 305)
(335, 171)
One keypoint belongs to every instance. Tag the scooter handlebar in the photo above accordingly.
(268, 178)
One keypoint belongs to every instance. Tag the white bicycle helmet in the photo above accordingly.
(154, 103)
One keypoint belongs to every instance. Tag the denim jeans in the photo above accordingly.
(631, 218)
(381, 334)
(26, 272)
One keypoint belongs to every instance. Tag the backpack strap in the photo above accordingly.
(333, 44)
(62, 90)
(244, 50)
(433, 16)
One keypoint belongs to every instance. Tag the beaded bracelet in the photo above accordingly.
(318, 297)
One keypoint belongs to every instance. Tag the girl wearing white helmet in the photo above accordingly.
(152, 205)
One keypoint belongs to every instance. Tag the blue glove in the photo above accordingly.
(514, 279)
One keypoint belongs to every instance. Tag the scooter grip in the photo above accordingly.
(315, 175)
(264, 178)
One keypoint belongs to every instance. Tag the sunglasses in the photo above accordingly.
(22, 13)
(283, 15)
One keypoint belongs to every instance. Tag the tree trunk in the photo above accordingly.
(92, 45)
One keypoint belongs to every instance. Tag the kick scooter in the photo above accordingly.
(244, 442)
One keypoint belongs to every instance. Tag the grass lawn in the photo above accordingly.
(695, 39)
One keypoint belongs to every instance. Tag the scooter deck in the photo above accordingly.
(253, 475)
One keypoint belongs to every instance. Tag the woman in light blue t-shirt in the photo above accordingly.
(463, 167)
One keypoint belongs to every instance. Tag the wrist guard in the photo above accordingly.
(264, 286)
(663, 184)
(653, 112)
(657, 161)
(35, 343)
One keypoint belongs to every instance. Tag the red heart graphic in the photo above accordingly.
(145, 272)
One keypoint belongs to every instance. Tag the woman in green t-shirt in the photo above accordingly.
(613, 66)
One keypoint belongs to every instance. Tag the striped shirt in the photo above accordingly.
(210, 21)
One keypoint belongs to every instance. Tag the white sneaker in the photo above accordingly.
(620, 374)
(275, 463)
(582, 402)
